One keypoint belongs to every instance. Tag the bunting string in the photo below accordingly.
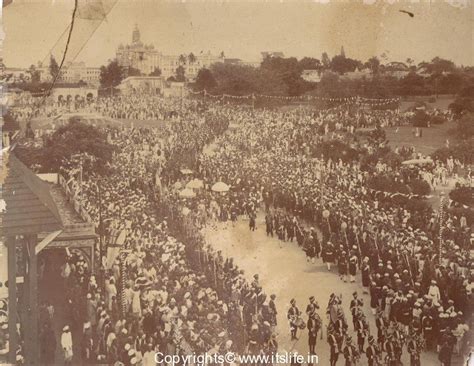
(349, 100)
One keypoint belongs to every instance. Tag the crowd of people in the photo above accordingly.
(165, 294)
(169, 291)
(419, 281)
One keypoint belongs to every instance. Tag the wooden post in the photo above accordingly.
(31, 330)
(12, 300)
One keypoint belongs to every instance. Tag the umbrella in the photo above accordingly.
(195, 184)
(178, 185)
(187, 193)
(185, 211)
(418, 161)
(186, 171)
(220, 187)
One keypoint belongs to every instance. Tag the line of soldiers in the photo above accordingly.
(287, 228)
(391, 338)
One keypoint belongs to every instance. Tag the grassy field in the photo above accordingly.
(433, 138)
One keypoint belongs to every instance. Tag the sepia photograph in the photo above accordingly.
(237, 182)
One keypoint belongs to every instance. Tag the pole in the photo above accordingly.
(441, 226)
(32, 328)
(12, 299)
(101, 239)
(80, 179)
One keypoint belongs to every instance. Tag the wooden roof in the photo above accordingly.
(30, 208)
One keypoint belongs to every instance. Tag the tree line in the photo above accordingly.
(283, 76)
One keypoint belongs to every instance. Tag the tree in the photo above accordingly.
(439, 65)
(53, 67)
(156, 72)
(35, 75)
(462, 105)
(182, 59)
(410, 62)
(463, 195)
(191, 58)
(412, 84)
(222, 54)
(180, 74)
(373, 64)
(111, 75)
(132, 71)
(464, 127)
(309, 63)
(341, 64)
(205, 80)
(325, 60)
(329, 84)
(74, 138)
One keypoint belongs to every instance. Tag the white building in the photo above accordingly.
(143, 84)
(146, 59)
(74, 72)
(312, 76)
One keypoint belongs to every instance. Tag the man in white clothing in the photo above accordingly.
(66, 344)
(434, 293)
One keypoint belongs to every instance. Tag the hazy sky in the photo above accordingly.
(243, 29)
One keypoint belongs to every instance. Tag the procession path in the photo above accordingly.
(285, 272)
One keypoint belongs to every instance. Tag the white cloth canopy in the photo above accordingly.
(186, 171)
(417, 161)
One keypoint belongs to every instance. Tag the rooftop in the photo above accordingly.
(34, 206)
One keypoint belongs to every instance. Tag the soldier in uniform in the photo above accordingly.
(355, 306)
(340, 324)
(414, 349)
(350, 353)
(293, 315)
(252, 221)
(353, 262)
(313, 326)
(316, 244)
(269, 224)
(427, 326)
(342, 266)
(381, 324)
(391, 348)
(312, 306)
(328, 254)
(372, 352)
(361, 328)
(273, 311)
(334, 339)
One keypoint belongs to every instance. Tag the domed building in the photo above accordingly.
(146, 59)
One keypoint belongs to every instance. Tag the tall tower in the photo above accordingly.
(343, 54)
(136, 35)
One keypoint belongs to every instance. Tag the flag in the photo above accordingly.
(91, 10)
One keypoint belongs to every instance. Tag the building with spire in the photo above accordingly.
(343, 53)
(145, 58)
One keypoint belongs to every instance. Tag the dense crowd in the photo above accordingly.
(418, 282)
(168, 295)
(171, 292)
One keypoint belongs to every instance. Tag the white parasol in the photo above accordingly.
(185, 211)
(186, 171)
(187, 193)
(195, 184)
(220, 187)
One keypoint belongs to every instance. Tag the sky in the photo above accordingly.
(242, 29)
